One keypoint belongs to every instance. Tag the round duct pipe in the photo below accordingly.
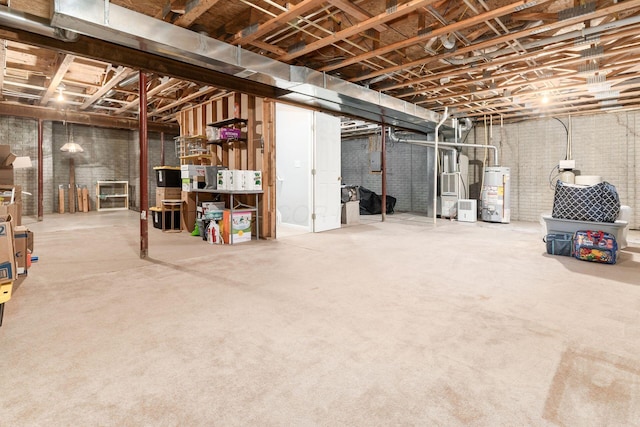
(34, 24)
(465, 124)
(448, 41)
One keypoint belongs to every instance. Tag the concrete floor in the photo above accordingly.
(395, 323)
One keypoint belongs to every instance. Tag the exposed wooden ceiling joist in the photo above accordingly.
(464, 54)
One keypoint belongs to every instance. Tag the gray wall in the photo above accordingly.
(603, 145)
(409, 172)
(109, 154)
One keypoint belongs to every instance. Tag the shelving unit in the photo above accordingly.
(193, 150)
(112, 195)
(233, 206)
(234, 122)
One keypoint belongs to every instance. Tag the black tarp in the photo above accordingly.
(371, 203)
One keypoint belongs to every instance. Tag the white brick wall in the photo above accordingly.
(603, 145)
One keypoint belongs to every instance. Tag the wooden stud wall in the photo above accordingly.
(257, 153)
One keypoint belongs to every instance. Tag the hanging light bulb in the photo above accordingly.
(60, 97)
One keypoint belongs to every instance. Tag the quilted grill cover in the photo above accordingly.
(599, 202)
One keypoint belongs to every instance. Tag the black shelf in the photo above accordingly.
(226, 141)
(227, 122)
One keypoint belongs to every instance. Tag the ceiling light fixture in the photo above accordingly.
(60, 97)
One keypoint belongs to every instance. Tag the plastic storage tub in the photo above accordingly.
(557, 225)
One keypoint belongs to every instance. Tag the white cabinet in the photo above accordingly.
(112, 195)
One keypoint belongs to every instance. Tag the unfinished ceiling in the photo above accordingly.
(515, 60)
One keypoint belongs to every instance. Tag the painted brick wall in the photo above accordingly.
(109, 154)
(409, 174)
(155, 149)
(105, 157)
(603, 145)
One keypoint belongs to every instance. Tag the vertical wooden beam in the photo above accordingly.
(268, 204)
(237, 114)
(251, 133)
(162, 160)
(144, 158)
(216, 150)
(40, 171)
(225, 147)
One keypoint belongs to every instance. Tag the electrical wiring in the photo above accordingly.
(552, 184)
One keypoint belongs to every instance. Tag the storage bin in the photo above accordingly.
(158, 221)
(167, 176)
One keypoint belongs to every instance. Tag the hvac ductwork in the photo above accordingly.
(300, 85)
(585, 32)
(34, 24)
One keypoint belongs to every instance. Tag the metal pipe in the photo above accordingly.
(383, 167)
(144, 169)
(40, 172)
(435, 169)
(34, 24)
(426, 143)
(162, 148)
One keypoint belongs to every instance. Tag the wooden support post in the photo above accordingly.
(268, 203)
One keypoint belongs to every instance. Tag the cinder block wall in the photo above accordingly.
(105, 157)
(603, 145)
(409, 173)
(109, 154)
(155, 149)
(22, 136)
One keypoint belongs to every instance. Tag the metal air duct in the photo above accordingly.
(300, 85)
(33, 24)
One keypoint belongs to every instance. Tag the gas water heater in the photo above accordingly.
(496, 202)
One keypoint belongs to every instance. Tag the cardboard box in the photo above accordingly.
(189, 207)
(189, 171)
(351, 212)
(239, 226)
(225, 180)
(15, 190)
(13, 210)
(253, 180)
(6, 165)
(167, 176)
(237, 179)
(7, 252)
(5, 292)
(229, 133)
(167, 193)
(23, 242)
(211, 206)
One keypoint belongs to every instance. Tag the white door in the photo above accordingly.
(326, 173)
